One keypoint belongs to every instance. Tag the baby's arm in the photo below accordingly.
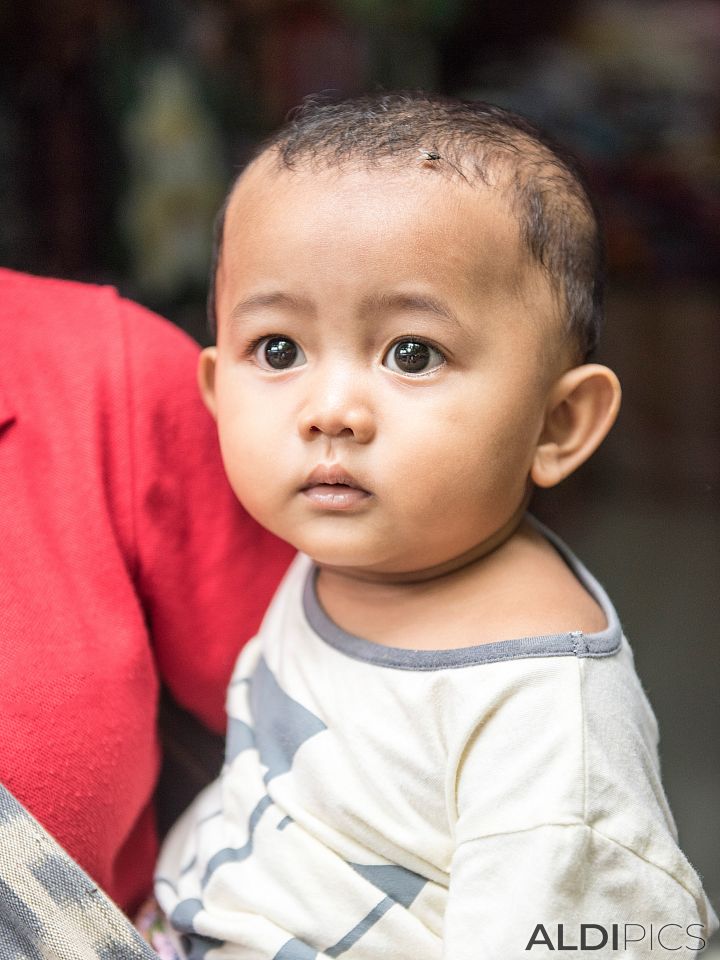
(564, 886)
(560, 818)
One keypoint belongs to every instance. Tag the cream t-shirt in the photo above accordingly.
(492, 802)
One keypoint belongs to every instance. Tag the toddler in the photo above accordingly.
(437, 744)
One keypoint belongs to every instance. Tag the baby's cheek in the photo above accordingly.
(243, 456)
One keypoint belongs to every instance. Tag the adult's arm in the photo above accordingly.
(205, 570)
(124, 560)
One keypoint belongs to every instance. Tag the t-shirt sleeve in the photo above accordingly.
(560, 819)
(561, 887)
(204, 569)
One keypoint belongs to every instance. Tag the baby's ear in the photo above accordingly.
(581, 409)
(206, 378)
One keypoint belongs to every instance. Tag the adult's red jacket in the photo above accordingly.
(124, 558)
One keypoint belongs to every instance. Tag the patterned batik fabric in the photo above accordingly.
(49, 908)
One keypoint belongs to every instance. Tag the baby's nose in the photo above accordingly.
(337, 409)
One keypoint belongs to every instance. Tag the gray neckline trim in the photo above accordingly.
(573, 644)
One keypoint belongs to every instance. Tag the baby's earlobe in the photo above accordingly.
(582, 407)
(207, 363)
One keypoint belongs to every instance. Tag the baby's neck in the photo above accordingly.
(391, 608)
(518, 586)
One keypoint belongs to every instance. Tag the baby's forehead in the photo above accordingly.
(420, 171)
(410, 195)
(441, 234)
(536, 191)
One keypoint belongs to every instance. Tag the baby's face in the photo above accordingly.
(381, 368)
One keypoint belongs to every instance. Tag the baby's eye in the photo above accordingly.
(413, 356)
(279, 353)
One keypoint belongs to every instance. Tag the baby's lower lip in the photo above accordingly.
(335, 496)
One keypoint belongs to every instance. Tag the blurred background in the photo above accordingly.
(121, 124)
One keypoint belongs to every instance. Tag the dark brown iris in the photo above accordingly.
(412, 357)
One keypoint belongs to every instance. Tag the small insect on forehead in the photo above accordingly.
(429, 155)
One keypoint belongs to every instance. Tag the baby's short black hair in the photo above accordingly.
(475, 141)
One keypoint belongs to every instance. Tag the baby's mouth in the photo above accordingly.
(332, 487)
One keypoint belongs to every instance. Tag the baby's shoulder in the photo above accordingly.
(529, 589)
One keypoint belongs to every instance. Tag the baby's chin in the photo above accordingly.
(375, 551)
(404, 563)
(364, 561)
(391, 566)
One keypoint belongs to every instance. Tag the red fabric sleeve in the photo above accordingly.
(205, 569)
(123, 555)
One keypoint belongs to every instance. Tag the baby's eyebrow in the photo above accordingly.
(272, 299)
(404, 302)
(410, 302)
